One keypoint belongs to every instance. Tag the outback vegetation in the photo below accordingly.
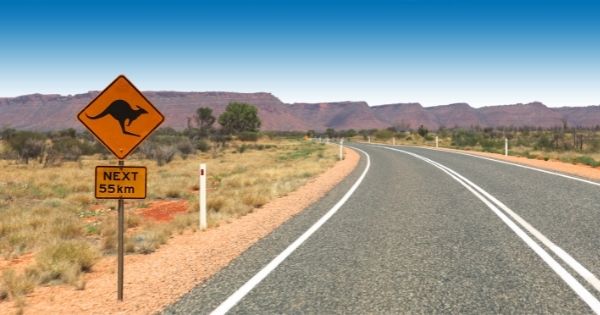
(564, 143)
(53, 230)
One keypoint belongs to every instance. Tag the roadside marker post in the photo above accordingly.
(369, 139)
(121, 118)
(436, 142)
(394, 141)
(341, 149)
(202, 197)
(505, 146)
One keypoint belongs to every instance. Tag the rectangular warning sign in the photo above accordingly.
(120, 182)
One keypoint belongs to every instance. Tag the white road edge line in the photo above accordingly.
(566, 257)
(238, 295)
(579, 289)
(517, 165)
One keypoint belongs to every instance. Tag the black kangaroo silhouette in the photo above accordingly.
(122, 112)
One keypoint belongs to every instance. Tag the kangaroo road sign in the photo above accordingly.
(121, 117)
(120, 182)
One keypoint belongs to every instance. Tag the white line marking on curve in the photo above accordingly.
(579, 289)
(517, 165)
(238, 295)
(566, 257)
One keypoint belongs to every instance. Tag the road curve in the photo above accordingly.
(414, 237)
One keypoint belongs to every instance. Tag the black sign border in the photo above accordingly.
(162, 117)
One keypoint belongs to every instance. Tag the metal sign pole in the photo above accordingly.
(121, 223)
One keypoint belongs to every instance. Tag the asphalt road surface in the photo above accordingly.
(423, 231)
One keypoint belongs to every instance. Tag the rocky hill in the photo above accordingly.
(51, 112)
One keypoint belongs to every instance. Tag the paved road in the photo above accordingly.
(418, 238)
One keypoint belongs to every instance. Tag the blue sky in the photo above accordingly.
(433, 52)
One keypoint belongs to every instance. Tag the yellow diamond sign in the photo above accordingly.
(121, 117)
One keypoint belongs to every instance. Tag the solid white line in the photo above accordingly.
(517, 165)
(238, 295)
(566, 257)
(481, 194)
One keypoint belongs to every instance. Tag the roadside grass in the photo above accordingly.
(52, 211)
(588, 157)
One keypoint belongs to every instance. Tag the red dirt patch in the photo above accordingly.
(164, 210)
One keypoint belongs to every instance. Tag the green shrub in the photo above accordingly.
(584, 159)
(202, 145)
(248, 136)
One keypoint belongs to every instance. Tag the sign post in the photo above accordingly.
(121, 118)
(121, 245)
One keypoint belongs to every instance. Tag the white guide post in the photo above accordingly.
(369, 139)
(437, 142)
(341, 149)
(202, 197)
(394, 141)
(506, 146)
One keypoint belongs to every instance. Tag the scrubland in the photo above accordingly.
(569, 145)
(52, 229)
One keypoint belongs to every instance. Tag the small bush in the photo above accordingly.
(64, 262)
(15, 286)
(149, 240)
(202, 145)
(183, 221)
(173, 193)
(185, 148)
(248, 136)
(108, 232)
(255, 199)
(242, 148)
(132, 220)
(584, 159)
(215, 203)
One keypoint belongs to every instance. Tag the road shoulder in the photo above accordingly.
(157, 280)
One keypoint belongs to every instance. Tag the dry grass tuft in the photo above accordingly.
(52, 211)
(65, 261)
(150, 239)
(14, 286)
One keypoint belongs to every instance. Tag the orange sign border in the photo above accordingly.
(120, 167)
(162, 118)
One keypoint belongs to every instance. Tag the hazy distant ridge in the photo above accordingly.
(50, 112)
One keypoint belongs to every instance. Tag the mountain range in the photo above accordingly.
(51, 112)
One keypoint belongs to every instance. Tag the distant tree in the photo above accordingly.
(239, 117)
(204, 118)
(384, 134)
(349, 133)
(330, 132)
(422, 131)
(27, 144)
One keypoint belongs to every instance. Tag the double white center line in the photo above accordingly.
(495, 205)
